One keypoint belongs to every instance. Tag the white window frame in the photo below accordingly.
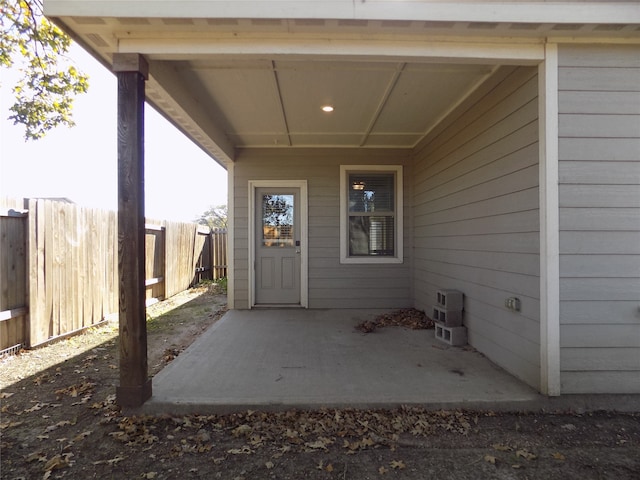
(345, 170)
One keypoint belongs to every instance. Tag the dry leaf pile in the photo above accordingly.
(406, 317)
(295, 430)
(276, 434)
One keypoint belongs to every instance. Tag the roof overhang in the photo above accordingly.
(255, 73)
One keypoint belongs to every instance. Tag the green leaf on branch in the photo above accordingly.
(48, 82)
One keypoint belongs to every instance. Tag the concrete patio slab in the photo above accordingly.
(291, 358)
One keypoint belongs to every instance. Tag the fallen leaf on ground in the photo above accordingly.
(318, 444)
(58, 461)
(526, 455)
(558, 456)
(490, 459)
(39, 456)
(9, 425)
(398, 465)
(36, 407)
(241, 430)
(111, 462)
(62, 423)
(82, 436)
(501, 448)
(240, 451)
(367, 442)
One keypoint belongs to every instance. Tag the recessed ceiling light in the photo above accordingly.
(327, 108)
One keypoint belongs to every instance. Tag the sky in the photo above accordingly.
(80, 163)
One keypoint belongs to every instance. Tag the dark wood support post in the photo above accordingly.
(135, 384)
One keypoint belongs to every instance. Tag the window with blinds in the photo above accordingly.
(371, 214)
(371, 209)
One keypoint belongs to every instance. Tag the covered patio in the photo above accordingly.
(490, 133)
(275, 359)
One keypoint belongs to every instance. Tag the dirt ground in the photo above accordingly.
(59, 420)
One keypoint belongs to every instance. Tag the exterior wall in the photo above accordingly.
(599, 175)
(331, 285)
(476, 219)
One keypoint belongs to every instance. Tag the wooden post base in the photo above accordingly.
(133, 396)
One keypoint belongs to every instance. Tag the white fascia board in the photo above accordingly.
(474, 11)
(508, 12)
(504, 51)
(202, 8)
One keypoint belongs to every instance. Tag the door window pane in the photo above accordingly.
(277, 220)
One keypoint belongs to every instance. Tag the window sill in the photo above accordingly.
(371, 260)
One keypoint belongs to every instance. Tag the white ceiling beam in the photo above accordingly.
(516, 52)
(383, 101)
(283, 113)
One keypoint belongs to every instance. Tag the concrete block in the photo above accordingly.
(455, 336)
(450, 299)
(449, 318)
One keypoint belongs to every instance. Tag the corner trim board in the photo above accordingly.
(549, 224)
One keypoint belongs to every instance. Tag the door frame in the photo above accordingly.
(304, 236)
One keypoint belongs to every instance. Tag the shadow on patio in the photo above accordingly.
(280, 359)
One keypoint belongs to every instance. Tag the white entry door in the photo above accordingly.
(277, 246)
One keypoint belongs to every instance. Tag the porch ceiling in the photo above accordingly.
(232, 83)
(267, 103)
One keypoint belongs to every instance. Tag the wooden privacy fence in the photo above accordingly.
(59, 267)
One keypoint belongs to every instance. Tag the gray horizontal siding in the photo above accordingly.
(593, 311)
(599, 103)
(600, 359)
(610, 196)
(600, 266)
(584, 151)
(594, 336)
(599, 79)
(600, 288)
(599, 125)
(476, 218)
(331, 284)
(612, 382)
(600, 242)
(599, 173)
(596, 218)
(502, 243)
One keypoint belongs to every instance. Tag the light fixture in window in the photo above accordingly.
(327, 108)
(358, 185)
